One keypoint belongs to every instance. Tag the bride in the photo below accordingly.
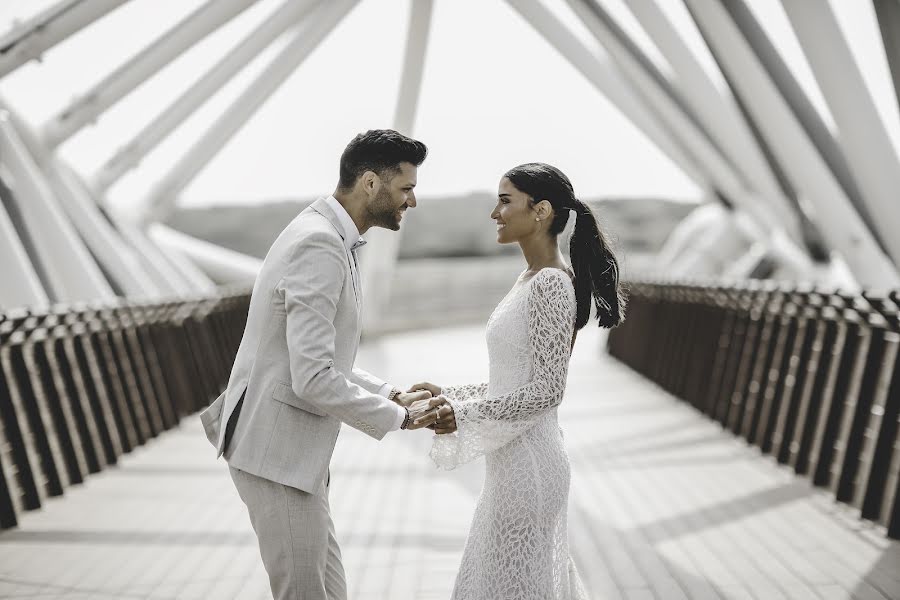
(517, 548)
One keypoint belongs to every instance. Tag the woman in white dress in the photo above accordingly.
(517, 548)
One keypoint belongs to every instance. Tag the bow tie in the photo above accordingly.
(358, 244)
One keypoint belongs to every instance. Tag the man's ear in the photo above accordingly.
(370, 182)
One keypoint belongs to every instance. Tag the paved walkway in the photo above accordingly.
(664, 505)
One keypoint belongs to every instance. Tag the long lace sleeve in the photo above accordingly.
(465, 392)
(485, 422)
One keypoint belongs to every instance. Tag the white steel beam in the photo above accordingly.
(146, 63)
(137, 265)
(118, 260)
(167, 269)
(308, 36)
(198, 281)
(718, 111)
(30, 39)
(841, 225)
(609, 82)
(888, 13)
(380, 258)
(68, 268)
(867, 147)
(131, 153)
(222, 265)
(798, 102)
(656, 92)
(420, 12)
(21, 284)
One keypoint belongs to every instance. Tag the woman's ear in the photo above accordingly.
(544, 209)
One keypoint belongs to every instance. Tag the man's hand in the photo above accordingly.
(408, 398)
(434, 389)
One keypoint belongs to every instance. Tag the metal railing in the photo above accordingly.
(811, 377)
(80, 386)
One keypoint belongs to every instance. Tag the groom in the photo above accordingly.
(293, 382)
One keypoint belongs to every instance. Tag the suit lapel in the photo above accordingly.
(322, 207)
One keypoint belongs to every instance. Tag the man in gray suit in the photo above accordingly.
(293, 382)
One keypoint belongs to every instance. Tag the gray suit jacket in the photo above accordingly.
(294, 370)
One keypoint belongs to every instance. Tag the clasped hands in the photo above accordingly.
(428, 408)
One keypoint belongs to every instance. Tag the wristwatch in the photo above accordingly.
(405, 423)
(393, 395)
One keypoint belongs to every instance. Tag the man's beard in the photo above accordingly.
(382, 212)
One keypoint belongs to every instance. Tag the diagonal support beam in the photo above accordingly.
(792, 145)
(67, 268)
(804, 111)
(172, 116)
(378, 263)
(117, 259)
(112, 88)
(308, 36)
(657, 92)
(220, 264)
(420, 12)
(888, 13)
(29, 40)
(719, 112)
(21, 283)
(810, 233)
(869, 152)
(609, 82)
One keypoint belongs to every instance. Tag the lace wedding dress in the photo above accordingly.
(518, 548)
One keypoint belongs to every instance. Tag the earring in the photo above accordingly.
(537, 219)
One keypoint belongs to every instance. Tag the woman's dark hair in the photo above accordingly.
(381, 151)
(596, 268)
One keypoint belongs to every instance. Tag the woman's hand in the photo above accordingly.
(434, 389)
(408, 398)
(444, 419)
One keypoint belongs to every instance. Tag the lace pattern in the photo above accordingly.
(488, 421)
(517, 548)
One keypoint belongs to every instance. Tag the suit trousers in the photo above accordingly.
(296, 539)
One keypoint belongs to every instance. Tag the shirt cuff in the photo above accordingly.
(385, 390)
(401, 416)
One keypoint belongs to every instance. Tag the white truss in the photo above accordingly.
(159, 128)
(762, 148)
(306, 36)
(132, 73)
(30, 39)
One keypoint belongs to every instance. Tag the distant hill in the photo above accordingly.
(457, 226)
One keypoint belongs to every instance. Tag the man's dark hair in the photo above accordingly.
(381, 151)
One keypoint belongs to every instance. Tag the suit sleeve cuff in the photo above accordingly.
(385, 390)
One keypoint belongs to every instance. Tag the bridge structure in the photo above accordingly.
(772, 309)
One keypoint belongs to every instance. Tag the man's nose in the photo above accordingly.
(411, 200)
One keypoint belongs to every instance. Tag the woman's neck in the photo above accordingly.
(540, 253)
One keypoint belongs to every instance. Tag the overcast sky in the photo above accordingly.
(495, 94)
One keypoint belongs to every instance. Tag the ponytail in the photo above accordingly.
(596, 272)
(595, 266)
